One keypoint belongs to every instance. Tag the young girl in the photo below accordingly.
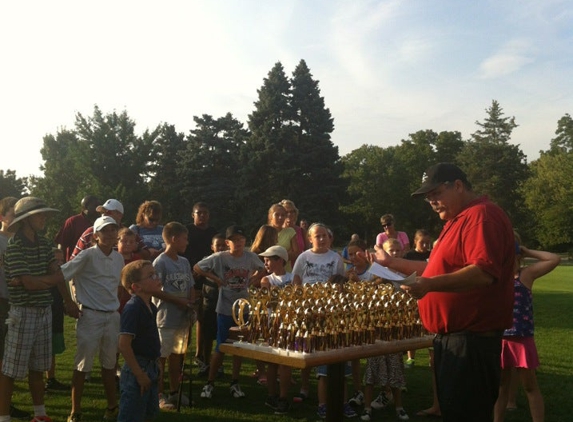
(126, 246)
(421, 251)
(287, 235)
(318, 265)
(386, 370)
(518, 346)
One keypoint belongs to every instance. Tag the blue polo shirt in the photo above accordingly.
(138, 321)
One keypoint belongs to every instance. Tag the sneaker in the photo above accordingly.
(402, 415)
(207, 392)
(165, 403)
(110, 415)
(282, 407)
(321, 411)
(53, 384)
(409, 363)
(75, 417)
(349, 411)
(381, 401)
(366, 415)
(41, 419)
(19, 413)
(203, 372)
(173, 399)
(236, 391)
(272, 402)
(300, 397)
(357, 399)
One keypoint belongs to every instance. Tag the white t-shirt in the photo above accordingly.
(314, 267)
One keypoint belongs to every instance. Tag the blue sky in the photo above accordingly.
(386, 68)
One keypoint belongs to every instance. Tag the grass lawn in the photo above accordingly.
(553, 296)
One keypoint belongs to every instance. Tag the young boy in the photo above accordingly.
(96, 272)
(207, 314)
(139, 344)
(174, 303)
(31, 270)
(232, 271)
(276, 258)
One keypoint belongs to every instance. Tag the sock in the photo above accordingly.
(40, 410)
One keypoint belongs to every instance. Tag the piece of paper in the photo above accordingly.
(387, 274)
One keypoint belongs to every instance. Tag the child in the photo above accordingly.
(385, 370)
(96, 272)
(232, 271)
(317, 265)
(139, 344)
(174, 304)
(276, 258)
(58, 344)
(31, 270)
(207, 313)
(518, 346)
(126, 246)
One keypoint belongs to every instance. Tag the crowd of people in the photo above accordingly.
(137, 291)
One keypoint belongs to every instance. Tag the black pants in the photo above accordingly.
(468, 371)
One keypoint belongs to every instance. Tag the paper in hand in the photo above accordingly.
(387, 274)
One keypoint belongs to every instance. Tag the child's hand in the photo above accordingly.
(144, 382)
(16, 281)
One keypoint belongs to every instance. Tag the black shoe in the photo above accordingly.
(18, 413)
(53, 384)
(282, 407)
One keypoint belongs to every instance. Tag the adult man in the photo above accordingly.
(199, 246)
(75, 225)
(465, 292)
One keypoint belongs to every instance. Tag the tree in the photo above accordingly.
(564, 139)
(495, 167)
(209, 166)
(10, 185)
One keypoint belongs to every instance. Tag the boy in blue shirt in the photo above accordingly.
(139, 344)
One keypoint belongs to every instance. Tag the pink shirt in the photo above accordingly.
(402, 238)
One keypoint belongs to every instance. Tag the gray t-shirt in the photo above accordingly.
(235, 273)
(314, 267)
(176, 279)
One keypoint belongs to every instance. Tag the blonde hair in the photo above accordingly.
(272, 210)
(287, 203)
(391, 242)
(133, 272)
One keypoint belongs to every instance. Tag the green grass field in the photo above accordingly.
(553, 298)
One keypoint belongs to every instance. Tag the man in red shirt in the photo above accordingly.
(465, 292)
(74, 226)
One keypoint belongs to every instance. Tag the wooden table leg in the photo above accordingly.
(335, 392)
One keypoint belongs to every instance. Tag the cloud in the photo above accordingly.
(511, 58)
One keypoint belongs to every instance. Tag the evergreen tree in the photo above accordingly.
(10, 185)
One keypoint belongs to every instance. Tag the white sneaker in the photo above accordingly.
(366, 415)
(165, 403)
(381, 401)
(207, 392)
(402, 415)
(357, 399)
(236, 391)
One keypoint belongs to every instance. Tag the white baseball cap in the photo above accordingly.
(110, 205)
(103, 221)
(276, 251)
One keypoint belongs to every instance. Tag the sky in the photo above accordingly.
(385, 68)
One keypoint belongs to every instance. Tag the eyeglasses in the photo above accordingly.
(153, 220)
(201, 212)
(153, 276)
(434, 195)
(387, 224)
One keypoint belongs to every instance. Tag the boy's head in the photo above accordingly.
(275, 256)
(105, 231)
(126, 240)
(393, 247)
(175, 236)
(354, 247)
(7, 211)
(139, 276)
(422, 240)
(200, 214)
(112, 208)
(31, 211)
(218, 243)
(235, 238)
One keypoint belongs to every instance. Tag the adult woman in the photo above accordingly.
(387, 221)
(290, 221)
(148, 228)
(287, 235)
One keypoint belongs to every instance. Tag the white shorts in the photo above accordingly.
(173, 340)
(95, 331)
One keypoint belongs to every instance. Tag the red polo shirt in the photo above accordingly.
(481, 235)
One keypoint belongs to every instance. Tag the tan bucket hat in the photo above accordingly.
(28, 206)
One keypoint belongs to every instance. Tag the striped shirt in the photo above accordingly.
(24, 257)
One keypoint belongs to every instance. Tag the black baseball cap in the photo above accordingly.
(437, 175)
(234, 230)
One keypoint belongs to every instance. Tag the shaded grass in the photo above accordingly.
(553, 299)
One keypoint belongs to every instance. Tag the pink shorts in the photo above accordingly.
(519, 352)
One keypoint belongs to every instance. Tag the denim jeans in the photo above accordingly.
(133, 406)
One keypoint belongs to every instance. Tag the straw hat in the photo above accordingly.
(28, 206)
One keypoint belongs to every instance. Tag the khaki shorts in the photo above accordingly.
(173, 340)
(95, 331)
